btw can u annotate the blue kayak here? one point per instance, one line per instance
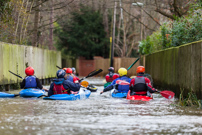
(119, 95)
(84, 94)
(7, 95)
(31, 92)
(116, 94)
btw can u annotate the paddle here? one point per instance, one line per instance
(167, 94)
(95, 72)
(58, 67)
(133, 63)
(16, 74)
(84, 84)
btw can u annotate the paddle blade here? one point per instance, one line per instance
(95, 72)
(167, 94)
(84, 84)
(121, 82)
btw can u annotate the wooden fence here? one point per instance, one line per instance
(16, 57)
(178, 68)
(99, 62)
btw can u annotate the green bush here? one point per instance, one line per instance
(187, 30)
(182, 31)
(157, 41)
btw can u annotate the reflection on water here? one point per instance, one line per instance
(100, 114)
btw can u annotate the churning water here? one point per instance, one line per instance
(98, 115)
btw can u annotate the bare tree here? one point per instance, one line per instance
(173, 8)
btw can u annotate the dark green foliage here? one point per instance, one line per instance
(83, 34)
(5, 9)
(165, 40)
(145, 46)
(187, 30)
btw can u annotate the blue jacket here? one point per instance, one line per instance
(121, 88)
(70, 78)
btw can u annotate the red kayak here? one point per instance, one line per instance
(138, 97)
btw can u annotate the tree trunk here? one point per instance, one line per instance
(51, 28)
(36, 25)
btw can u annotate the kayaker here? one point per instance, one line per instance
(62, 86)
(74, 73)
(111, 75)
(68, 75)
(120, 88)
(141, 85)
(31, 81)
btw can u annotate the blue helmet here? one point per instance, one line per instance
(60, 73)
(73, 69)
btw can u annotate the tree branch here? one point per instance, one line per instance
(165, 14)
(148, 14)
(138, 20)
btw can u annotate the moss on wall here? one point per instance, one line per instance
(177, 68)
(15, 57)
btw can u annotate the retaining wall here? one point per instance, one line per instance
(177, 68)
(16, 57)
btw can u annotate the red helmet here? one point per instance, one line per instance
(69, 71)
(140, 69)
(29, 71)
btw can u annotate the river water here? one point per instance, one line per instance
(98, 115)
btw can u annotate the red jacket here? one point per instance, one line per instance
(110, 78)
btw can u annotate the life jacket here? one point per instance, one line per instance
(111, 76)
(30, 82)
(140, 87)
(123, 88)
(59, 89)
(115, 76)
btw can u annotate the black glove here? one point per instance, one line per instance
(116, 86)
(108, 88)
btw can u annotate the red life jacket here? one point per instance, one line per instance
(59, 89)
(115, 76)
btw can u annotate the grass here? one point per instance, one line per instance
(190, 100)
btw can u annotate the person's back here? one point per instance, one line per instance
(111, 75)
(62, 86)
(31, 81)
(58, 87)
(121, 88)
(140, 85)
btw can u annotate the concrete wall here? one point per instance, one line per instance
(15, 57)
(177, 68)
